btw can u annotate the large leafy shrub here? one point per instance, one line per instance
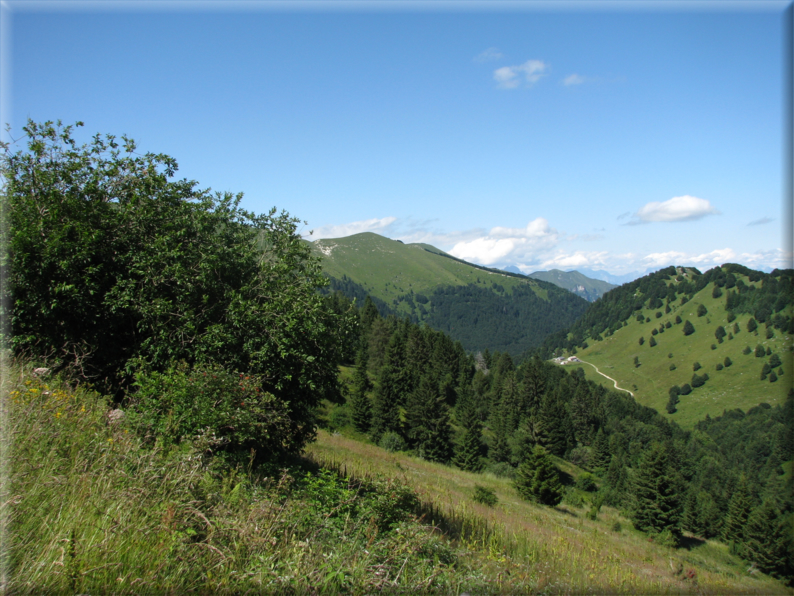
(114, 267)
(228, 410)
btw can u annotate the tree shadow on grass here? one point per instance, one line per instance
(690, 542)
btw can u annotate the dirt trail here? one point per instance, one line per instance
(610, 378)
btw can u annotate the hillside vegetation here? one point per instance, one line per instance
(480, 307)
(635, 334)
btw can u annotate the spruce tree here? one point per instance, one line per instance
(468, 456)
(657, 494)
(751, 325)
(768, 540)
(735, 523)
(601, 454)
(538, 479)
(552, 424)
(385, 411)
(361, 409)
(427, 422)
(689, 328)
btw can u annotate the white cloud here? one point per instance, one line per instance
(589, 260)
(355, 227)
(705, 260)
(508, 244)
(509, 77)
(488, 55)
(685, 208)
(573, 79)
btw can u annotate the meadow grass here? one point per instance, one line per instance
(92, 508)
(736, 386)
(520, 545)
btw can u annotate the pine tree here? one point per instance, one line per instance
(689, 328)
(360, 406)
(652, 343)
(470, 450)
(385, 411)
(427, 422)
(601, 454)
(751, 325)
(658, 500)
(702, 311)
(538, 479)
(735, 523)
(768, 540)
(552, 424)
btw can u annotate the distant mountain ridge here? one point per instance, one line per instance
(576, 282)
(481, 307)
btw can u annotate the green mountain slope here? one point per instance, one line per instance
(481, 307)
(609, 336)
(573, 281)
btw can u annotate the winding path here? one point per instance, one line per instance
(610, 378)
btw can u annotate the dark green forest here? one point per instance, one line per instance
(425, 393)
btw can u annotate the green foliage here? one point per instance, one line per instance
(657, 492)
(774, 361)
(689, 328)
(586, 482)
(719, 333)
(746, 350)
(751, 325)
(227, 409)
(115, 267)
(727, 362)
(427, 422)
(360, 406)
(702, 310)
(484, 496)
(678, 319)
(392, 442)
(652, 343)
(642, 340)
(469, 453)
(760, 352)
(538, 479)
(696, 366)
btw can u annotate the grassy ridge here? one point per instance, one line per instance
(387, 269)
(559, 550)
(736, 386)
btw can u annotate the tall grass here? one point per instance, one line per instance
(518, 545)
(91, 509)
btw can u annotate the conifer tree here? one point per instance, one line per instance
(689, 328)
(385, 411)
(702, 310)
(658, 500)
(361, 409)
(751, 325)
(735, 523)
(468, 456)
(553, 424)
(427, 422)
(601, 454)
(652, 343)
(538, 479)
(767, 539)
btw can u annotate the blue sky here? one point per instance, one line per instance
(537, 137)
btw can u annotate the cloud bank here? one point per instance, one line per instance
(685, 208)
(502, 245)
(510, 77)
(356, 227)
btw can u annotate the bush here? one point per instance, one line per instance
(686, 389)
(228, 409)
(586, 482)
(616, 527)
(114, 264)
(392, 442)
(501, 470)
(746, 350)
(659, 314)
(702, 310)
(719, 366)
(696, 367)
(484, 496)
(727, 362)
(678, 319)
(689, 328)
(759, 351)
(672, 366)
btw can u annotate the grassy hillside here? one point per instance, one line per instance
(531, 548)
(480, 307)
(388, 269)
(736, 386)
(573, 281)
